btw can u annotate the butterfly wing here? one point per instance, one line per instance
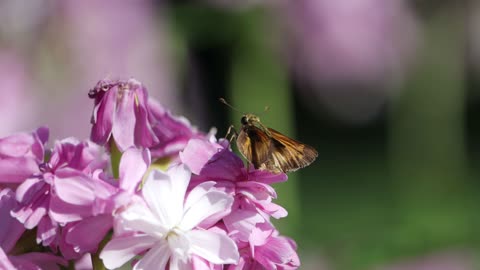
(286, 154)
(254, 144)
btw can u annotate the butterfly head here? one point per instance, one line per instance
(249, 119)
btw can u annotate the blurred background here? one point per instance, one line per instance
(385, 90)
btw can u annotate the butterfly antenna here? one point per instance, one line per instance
(265, 110)
(222, 100)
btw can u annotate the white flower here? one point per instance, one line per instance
(166, 225)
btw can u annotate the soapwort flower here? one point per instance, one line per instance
(206, 211)
(10, 232)
(165, 225)
(39, 205)
(121, 113)
(124, 113)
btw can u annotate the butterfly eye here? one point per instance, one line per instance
(244, 120)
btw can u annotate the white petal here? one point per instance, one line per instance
(156, 258)
(180, 176)
(165, 193)
(178, 263)
(209, 204)
(138, 217)
(196, 193)
(214, 247)
(179, 244)
(122, 249)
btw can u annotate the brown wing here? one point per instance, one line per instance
(287, 154)
(254, 145)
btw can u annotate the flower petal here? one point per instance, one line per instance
(15, 170)
(122, 249)
(211, 203)
(47, 231)
(28, 189)
(212, 160)
(195, 194)
(5, 263)
(197, 153)
(178, 263)
(10, 228)
(133, 165)
(124, 119)
(156, 258)
(75, 188)
(278, 251)
(214, 247)
(102, 118)
(94, 227)
(165, 193)
(138, 217)
(144, 135)
(242, 222)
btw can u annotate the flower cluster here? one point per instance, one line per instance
(148, 190)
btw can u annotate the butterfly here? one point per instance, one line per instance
(268, 149)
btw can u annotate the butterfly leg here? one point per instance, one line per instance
(231, 133)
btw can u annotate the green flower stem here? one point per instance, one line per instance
(115, 156)
(97, 263)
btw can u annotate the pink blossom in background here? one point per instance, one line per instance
(62, 48)
(17, 101)
(128, 40)
(25, 32)
(349, 40)
(348, 55)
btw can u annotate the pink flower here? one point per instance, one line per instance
(10, 232)
(248, 224)
(100, 196)
(215, 161)
(39, 204)
(121, 114)
(10, 228)
(31, 260)
(173, 132)
(124, 113)
(20, 155)
(164, 228)
(275, 253)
